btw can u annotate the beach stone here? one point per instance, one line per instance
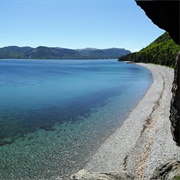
(86, 175)
(167, 171)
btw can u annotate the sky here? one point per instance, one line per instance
(76, 24)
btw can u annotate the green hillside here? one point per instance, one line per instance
(162, 51)
(42, 52)
(14, 52)
(111, 53)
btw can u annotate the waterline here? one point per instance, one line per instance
(68, 141)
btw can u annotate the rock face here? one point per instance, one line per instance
(166, 15)
(167, 171)
(175, 103)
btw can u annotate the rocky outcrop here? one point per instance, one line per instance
(86, 175)
(165, 14)
(175, 103)
(167, 171)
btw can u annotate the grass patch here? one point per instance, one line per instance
(176, 178)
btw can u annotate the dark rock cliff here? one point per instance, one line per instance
(175, 103)
(166, 15)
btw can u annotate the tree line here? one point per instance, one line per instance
(162, 51)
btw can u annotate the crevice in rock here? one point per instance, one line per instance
(125, 163)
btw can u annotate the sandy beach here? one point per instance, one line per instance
(144, 140)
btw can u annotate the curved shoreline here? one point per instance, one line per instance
(144, 140)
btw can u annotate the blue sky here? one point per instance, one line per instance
(75, 24)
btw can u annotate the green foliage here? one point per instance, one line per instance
(162, 51)
(177, 178)
(14, 52)
(43, 52)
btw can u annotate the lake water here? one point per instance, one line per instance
(54, 114)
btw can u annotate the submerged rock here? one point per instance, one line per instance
(86, 175)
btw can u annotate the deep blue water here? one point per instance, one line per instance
(54, 114)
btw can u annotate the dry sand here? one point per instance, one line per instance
(144, 141)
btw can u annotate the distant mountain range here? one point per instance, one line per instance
(43, 52)
(162, 51)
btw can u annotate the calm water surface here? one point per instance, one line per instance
(54, 114)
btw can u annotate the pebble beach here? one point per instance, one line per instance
(144, 140)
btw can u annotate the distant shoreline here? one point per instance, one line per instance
(43, 52)
(144, 140)
(59, 59)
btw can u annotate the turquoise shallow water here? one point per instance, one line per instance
(54, 114)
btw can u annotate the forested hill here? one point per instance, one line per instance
(42, 52)
(162, 51)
